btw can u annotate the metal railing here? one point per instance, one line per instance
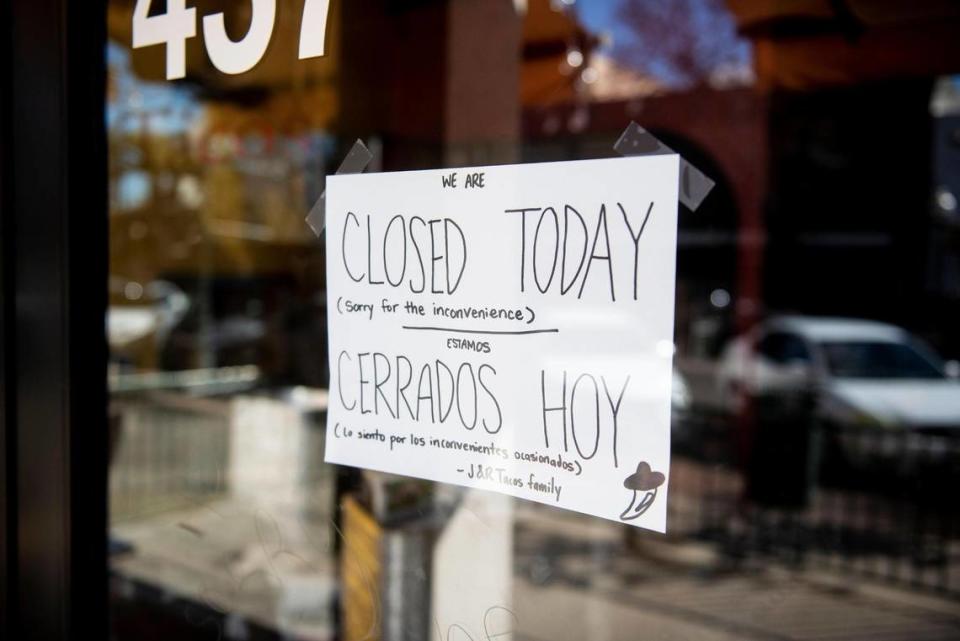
(169, 451)
(781, 485)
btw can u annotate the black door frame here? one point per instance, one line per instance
(53, 266)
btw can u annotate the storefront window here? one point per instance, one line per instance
(815, 419)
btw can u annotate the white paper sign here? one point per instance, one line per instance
(508, 328)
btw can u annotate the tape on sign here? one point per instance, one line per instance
(637, 141)
(355, 162)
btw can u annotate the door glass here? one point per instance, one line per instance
(832, 133)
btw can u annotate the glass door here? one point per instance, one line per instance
(814, 396)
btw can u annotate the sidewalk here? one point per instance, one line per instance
(595, 589)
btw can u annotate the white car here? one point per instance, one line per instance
(863, 373)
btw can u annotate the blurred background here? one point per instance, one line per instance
(816, 401)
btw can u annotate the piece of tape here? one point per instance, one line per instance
(354, 163)
(637, 141)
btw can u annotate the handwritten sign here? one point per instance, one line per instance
(508, 328)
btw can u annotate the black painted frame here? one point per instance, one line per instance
(53, 274)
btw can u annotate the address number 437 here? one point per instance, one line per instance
(179, 23)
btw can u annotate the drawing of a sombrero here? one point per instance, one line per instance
(643, 480)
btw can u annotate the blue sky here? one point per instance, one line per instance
(719, 41)
(172, 107)
(598, 15)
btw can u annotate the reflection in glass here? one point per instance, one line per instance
(815, 445)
